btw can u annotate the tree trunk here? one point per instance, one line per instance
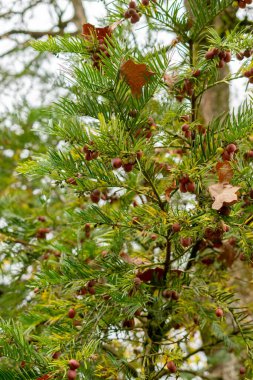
(79, 14)
(215, 102)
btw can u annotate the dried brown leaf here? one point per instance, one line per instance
(223, 194)
(90, 30)
(136, 75)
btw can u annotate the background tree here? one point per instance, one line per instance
(129, 285)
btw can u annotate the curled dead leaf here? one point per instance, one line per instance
(223, 194)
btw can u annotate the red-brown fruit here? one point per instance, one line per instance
(71, 181)
(145, 2)
(132, 4)
(219, 312)
(56, 355)
(176, 227)
(241, 4)
(174, 295)
(227, 57)
(73, 364)
(82, 291)
(210, 54)
(92, 291)
(240, 56)
(167, 293)
(71, 313)
(221, 64)
(137, 313)
(186, 241)
(135, 18)
(41, 218)
(95, 196)
(128, 167)
(139, 154)
(128, 323)
(171, 366)
(132, 12)
(250, 154)
(127, 14)
(116, 163)
(196, 73)
(247, 53)
(231, 148)
(135, 220)
(133, 113)
(71, 374)
(91, 283)
(87, 227)
(185, 127)
(42, 232)
(242, 370)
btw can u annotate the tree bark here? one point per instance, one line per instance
(79, 14)
(215, 102)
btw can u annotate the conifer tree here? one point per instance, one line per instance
(150, 208)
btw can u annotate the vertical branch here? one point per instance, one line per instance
(168, 256)
(79, 13)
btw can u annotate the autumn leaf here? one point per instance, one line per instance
(224, 171)
(136, 75)
(90, 30)
(223, 194)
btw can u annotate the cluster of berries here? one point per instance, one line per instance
(170, 294)
(186, 90)
(186, 242)
(223, 55)
(42, 232)
(90, 154)
(186, 129)
(73, 366)
(101, 48)
(188, 86)
(244, 54)
(249, 74)
(186, 185)
(128, 165)
(242, 3)
(147, 130)
(89, 288)
(229, 151)
(132, 13)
